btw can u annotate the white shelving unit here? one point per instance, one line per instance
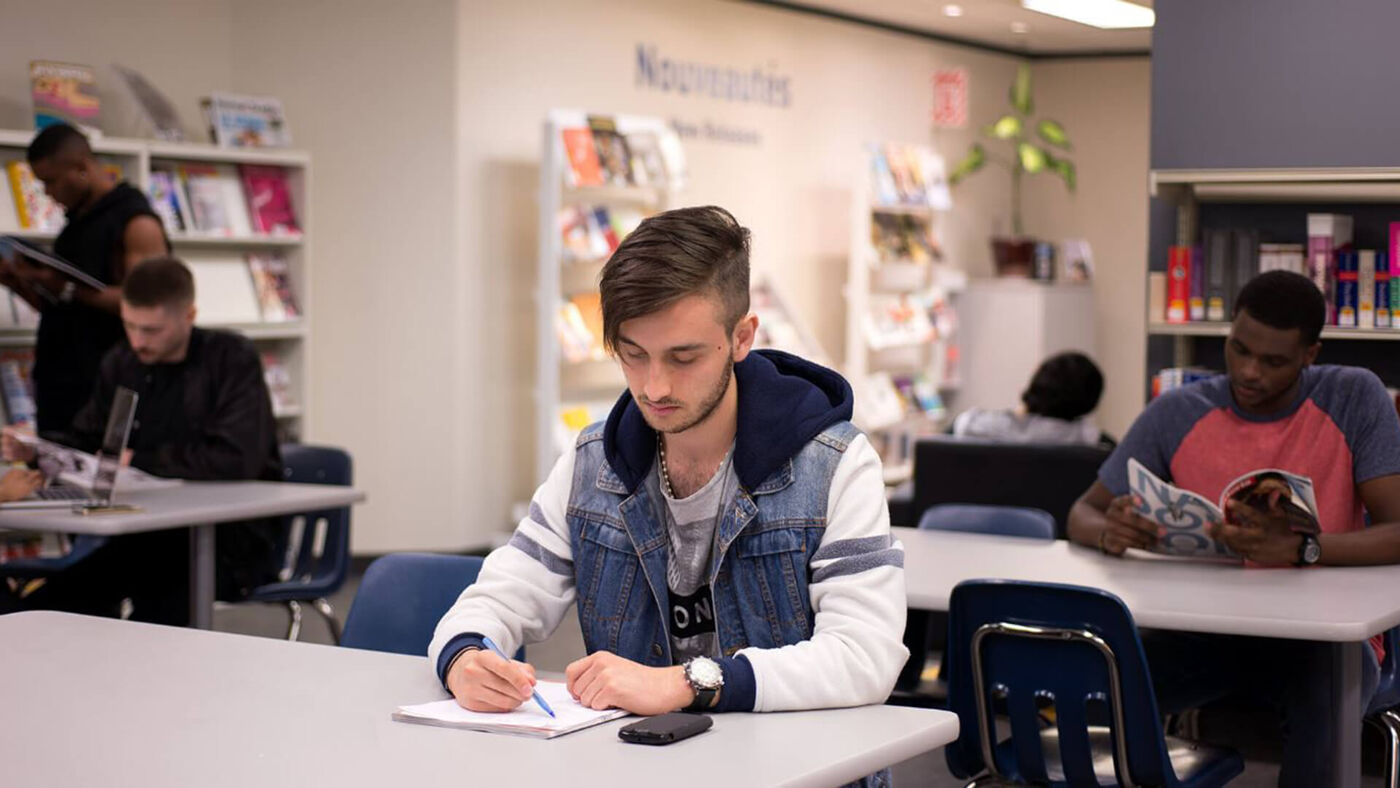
(593, 384)
(289, 340)
(908, 283)
(1186, 190)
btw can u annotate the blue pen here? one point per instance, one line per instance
(538, 698)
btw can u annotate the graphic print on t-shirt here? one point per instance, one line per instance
(692, 614)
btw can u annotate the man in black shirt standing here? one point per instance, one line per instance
(110, 228)
(203, 413)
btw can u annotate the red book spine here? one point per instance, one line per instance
(1178, 283)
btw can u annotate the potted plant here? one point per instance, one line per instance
(1027, 155)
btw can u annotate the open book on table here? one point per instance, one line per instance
(528, 719)
(1188, 518)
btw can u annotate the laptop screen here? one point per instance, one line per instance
(109, 457)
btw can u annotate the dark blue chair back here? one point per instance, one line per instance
(1388, 687)
(401, 598)
(322, 542)
(988, 519)
(1022, 672)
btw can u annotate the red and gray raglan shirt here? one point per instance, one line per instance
(1340, 431)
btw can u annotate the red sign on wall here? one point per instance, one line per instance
(950, 98)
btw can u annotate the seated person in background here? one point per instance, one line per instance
(204, 414)
(1055, 407)
(1273, 409)
(724, 534)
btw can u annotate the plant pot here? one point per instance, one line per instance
(1013, 256)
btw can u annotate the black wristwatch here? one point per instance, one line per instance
(1309, 550)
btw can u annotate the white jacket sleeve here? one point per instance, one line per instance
(857, 589)
(527, 585)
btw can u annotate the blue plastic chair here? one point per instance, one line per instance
(317, 543)
(403, 596)
(1384, 711)
(81, 547)
(987, 519)
(1024, 648)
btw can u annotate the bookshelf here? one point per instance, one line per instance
(581, 382)
(223, 254)
(900, 321)
(1274, 203)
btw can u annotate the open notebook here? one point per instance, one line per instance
(527, 720)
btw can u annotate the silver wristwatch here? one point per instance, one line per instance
(65, 296)
(705, 677)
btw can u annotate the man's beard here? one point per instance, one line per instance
(708, 404)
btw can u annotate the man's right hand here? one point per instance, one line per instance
(481, 680)
(12, 449)
(1124, 527)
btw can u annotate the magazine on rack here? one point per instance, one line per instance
(1188, 518)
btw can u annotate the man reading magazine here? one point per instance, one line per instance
(1273, 409)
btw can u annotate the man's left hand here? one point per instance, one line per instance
(1263, 537)
(603, 680)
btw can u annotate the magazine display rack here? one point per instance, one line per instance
(900, 322)
(250, 281)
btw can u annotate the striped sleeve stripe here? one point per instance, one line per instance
(552, 562)
(845, 548)
(860, 563)
(537, 514)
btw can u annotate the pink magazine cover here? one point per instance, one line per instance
(269, 200)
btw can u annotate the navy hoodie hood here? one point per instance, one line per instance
(784, 402)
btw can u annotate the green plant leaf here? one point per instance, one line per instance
(1008, 127)
(1053, 133)
(1065, 169)
(971, 163)
(1021, 90)
(1033, 159)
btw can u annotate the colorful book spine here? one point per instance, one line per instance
(1395, 274)
(1383, 313)
(1196, 304)
(1178, 283)
(1217, 264)
(1346, 283)
(1327, 232)
(1366, 288)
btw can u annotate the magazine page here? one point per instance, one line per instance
(1274, 490)
(1186, 516)
(78, 468)
(10, 243)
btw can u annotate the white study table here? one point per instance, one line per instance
(199, 506)
(1340, 605)
(91, 701)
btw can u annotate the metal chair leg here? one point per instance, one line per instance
(294, 628)
(323, 606)
(1390, 722)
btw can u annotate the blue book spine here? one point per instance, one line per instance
(1347, 280)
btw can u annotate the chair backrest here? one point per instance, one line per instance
(987, 519)
(1039, 644)
(401, 598)
(1388, 686)
(317, 543)
(949, 469)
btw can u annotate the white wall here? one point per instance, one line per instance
(423, 121)
(1104, 105)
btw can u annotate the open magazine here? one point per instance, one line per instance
(10, 245)
(79, 469)
(1188, 518)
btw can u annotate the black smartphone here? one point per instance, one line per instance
(665, 728)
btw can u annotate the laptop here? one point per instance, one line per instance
(53, 460)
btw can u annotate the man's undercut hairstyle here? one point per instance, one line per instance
(59, 138)
(159, 281)
(1284, 300)
(1065, 386)
(671, 255)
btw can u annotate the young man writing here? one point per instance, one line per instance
(204, 413)
(724, 533)
(1273, 409)
(110, 228)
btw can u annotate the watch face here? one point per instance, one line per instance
(1312, 552)
(705, 673)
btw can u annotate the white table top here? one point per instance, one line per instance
(1337, 604)
(91, 701)
(190, 503)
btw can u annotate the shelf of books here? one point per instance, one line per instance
(901, 325)
(600, 175)
(236, 216)
(1338, 226)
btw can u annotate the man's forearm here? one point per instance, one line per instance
(1085, 524)
(1378, 544)
(108, 299)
